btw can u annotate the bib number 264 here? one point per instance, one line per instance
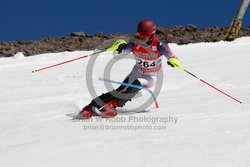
(145, 63)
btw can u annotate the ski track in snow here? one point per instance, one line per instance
(211, 130)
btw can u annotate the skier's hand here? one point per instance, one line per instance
(175, 63)
(118, 46)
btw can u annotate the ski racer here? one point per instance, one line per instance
(148, 52)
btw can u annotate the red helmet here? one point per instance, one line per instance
(146, 28)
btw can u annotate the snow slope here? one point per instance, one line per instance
(195, 125)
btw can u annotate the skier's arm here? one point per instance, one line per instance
(172, 60)
(165, 50)
(121, 46)
(128, 48)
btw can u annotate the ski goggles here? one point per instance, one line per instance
(144, 34)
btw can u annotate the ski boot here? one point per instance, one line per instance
(87, 112)
(108, 110)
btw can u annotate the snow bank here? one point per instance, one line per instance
(209, 128)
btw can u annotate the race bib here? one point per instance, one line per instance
(148, 65)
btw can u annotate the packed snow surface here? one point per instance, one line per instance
(195, 126)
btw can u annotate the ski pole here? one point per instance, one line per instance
(114, 47)
(68, 61)
(212, 86)
(134, 86)
(176, 64)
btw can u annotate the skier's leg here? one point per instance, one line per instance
(122, 94)
(107, 102)
(118, 97)
(128, 93)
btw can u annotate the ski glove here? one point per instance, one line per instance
(175, 63)
(118, 46)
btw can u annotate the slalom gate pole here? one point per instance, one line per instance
(134, 86)
(213, 86)
(68, 61)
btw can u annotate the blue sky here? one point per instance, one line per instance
(37, 19)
